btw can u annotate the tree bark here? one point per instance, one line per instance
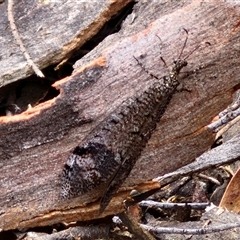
(35, 144)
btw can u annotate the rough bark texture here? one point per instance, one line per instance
(35, 144)
(51, 31)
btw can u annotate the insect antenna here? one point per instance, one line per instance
(184, 45)
(192, 52)
(185, 42)
(164, 62)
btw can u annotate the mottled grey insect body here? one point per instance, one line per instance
(87, 167)
(109, 153)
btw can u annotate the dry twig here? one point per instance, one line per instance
(20, 42)
(150, 203)
(197, 231)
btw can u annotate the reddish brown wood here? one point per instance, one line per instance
(35, 144)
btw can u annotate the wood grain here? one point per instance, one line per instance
(35, 144)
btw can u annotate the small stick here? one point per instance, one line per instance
(231, 108)
(19, 41)
(225, 128)
(224, 120)
(213, 180)
(197, 231)
(150, 203)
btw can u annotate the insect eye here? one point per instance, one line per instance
(67, 167)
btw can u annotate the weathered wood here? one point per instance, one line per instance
(35, 145)
(215, 223)
(77, 232)
(50, 30)
(219, 156)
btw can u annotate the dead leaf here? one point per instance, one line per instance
(231, 197)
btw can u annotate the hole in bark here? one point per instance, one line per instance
(20, 95)
(8, 235)
(23, 94)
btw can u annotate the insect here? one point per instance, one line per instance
(107, 155)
